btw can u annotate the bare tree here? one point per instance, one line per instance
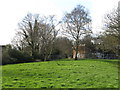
(76, 23)
(38, 34)
(112, 23)
(48, 34)
(29, 30)
(111, 35)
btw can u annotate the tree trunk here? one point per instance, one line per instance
(76, 49)
(33, 52)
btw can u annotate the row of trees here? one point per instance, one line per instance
(62, 48)
(37, 36)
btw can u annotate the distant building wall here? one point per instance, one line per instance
(81, 52)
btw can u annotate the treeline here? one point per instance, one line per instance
(37, 37)
(62, 48)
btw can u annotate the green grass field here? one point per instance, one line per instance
(61, 74)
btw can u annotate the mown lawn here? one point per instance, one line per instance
(61, 74)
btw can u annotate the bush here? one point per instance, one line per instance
(20, 56)
(6, 59)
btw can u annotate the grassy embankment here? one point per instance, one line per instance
(61, 74)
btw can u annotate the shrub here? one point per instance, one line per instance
(6, 59)
(20, 56)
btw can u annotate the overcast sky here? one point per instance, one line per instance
(13, 11)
